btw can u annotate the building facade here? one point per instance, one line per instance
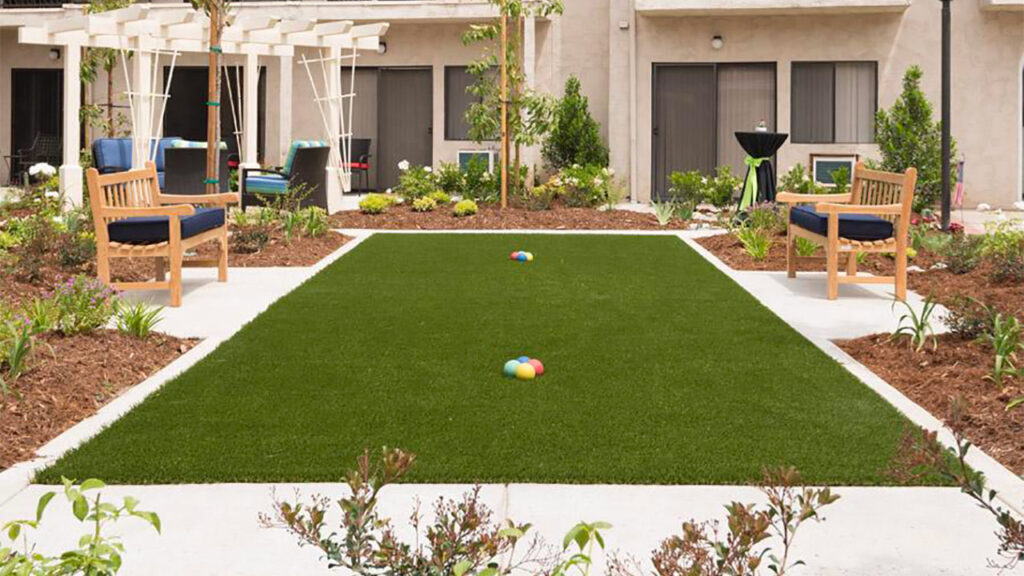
(670, 81)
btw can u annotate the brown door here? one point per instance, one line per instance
(405, 121)
(685, 127)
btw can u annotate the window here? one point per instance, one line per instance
(834, 102)
(457, 101)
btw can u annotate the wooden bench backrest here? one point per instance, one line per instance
(131, 189)
(875, 188)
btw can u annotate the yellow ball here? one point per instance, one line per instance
(529, 256)
(525, 372)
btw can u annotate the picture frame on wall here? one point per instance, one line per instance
(823, 165)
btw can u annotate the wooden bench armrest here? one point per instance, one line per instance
(793, 198)
(882, 209)
(218, 199)
(147, 211)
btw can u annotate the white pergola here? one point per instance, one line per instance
(150, 33)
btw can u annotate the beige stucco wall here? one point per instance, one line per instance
(987, 48)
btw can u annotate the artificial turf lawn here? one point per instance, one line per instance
(660, 369)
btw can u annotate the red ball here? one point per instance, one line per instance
(515, 255)
(537, 366)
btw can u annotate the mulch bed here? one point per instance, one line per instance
(70, 377)
(491, 217)
(957, 368)
(300, 252)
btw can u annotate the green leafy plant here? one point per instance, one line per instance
(962, 253)
(16, 346)
(767, 217)
(1005, 337)
(82, 305)
(756, 241)
(138, 319)
(917, 327)
(465, 208)
(968, 319)
(805, 248)
(798, 181)
(664, 212)
(907, 137)
(1003, 245)
(540, 197)
(97, 554)
(416, 182)
(721, 189)
(684, 211)
(424, 204)
(574, 137)
(450, 180)
(290, 221)
(479, 184)
(745, 549)
(586, 186)
(921, 456)
(374, 204)
(314, 221)
(841, 179)
(687, 186)
(41, 314)
(442, 197)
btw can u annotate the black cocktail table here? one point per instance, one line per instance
(759, 185)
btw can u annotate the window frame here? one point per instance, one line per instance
(792, 104)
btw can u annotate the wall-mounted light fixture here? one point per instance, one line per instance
(717, 42)
(54, 53)
(382, 48)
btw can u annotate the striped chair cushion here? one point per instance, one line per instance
(266, 184)
(193, 144)
(295, 146)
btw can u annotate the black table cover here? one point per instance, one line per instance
(761, 145)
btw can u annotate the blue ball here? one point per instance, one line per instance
(521, 257)
(510, 368)
(523, 359)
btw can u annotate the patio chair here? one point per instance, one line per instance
(45, 148)
(360, 164)
(185, 168)
(874, 217)
(306, 165)
(115, 155)
(133, 219)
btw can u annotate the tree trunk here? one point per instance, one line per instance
(212, 109)
(504, 107)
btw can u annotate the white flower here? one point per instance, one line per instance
(388, 191)
(52, 194)
(42, 169)
(403, 165)
(704, 180)
(428, 169)
(598, 181)
(609, 171)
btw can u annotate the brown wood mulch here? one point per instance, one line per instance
(70, 378)
(956, 369)
(491, 217)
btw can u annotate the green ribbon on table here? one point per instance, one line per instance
(750, 188)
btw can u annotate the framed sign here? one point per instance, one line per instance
(823, 165)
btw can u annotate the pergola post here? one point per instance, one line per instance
(70, 170)
(142, 103)
(250, 100)
(284, 103)
(335, 186)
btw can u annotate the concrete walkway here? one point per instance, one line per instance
(213, 529)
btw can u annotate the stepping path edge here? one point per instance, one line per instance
(1009, 486)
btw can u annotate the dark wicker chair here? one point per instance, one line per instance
(45, 148)
(308, 167)
(185, 171)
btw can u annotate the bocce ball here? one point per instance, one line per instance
(523, 359)
(521, 257)
(529, 256)
(537, 366)
(525, 371)
(510, 368)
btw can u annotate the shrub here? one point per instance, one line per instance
(82, 305)
(424, 204)
(16, 346)
(767, 217)
(76, 249)
(374, 204)
(1006, 338)
(841, 179)
(251, 233)
(450, 179)
(798, 181)
(1004, 247)
(441, 197)
(478, 183)
(586, 186)
(289, 222)
(314, 221)
(756, 241)
(687, 187)
(962, 253)
(416, 182)
(968, 319)
(684, 211)
(907, 137)
(41, 314)
(465, 208)
(574, 137)
(540, 197)
(721, 189)
(138, 319)
(806, 248)
(97, 554)
(664, 212)
(917, 327)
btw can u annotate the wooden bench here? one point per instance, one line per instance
(133, 219)
(874, 217)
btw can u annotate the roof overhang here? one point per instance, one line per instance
(769, 7)
(1008, 5)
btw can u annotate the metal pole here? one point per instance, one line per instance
(946, 82)
(504, 108)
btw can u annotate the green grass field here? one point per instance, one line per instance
(659, 370)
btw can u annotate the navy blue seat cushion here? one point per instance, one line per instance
(155, 229)
(851, 226)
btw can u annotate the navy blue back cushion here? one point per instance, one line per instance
(155, 229)
(112, 154)
(851, 226)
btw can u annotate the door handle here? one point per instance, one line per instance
(656, 132)
(430, 130)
